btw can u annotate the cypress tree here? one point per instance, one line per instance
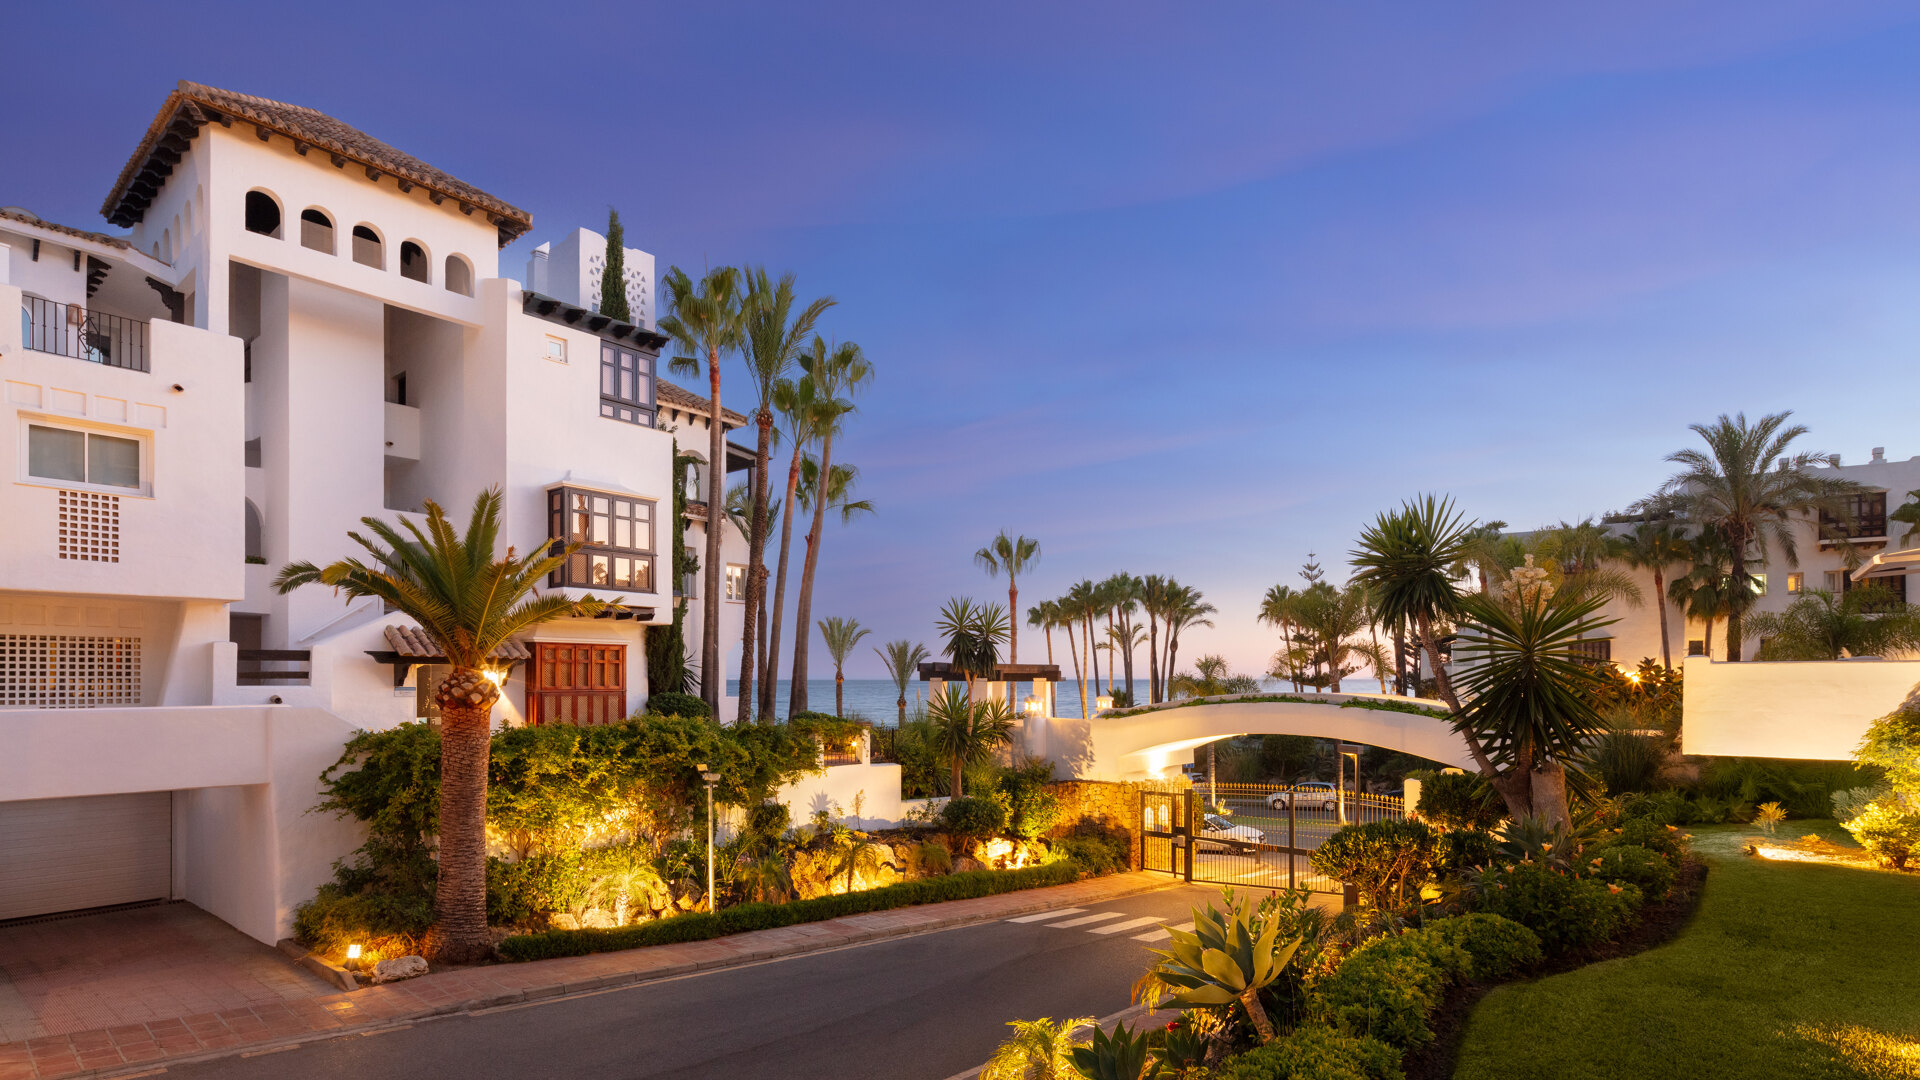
(613, 279)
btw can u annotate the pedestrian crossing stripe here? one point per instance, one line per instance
(1163, 933)
(1085, 919)
(1123, 927)
(1045, 915)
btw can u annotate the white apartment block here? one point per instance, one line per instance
(575, 267)
(302, 327)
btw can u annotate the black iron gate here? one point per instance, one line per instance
(1254, 835)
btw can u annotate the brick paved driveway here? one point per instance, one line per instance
(136, 967)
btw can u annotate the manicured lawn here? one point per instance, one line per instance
(1787, 970)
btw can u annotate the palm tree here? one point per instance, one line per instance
(1211, 678)
(1012, 556)
(1066, 617)
(974, 633)
(1707, 591)
(774, 335)
(966, 732)
(799, 405)
(470, 604)
(1749, 489)
(1328, 618)
(1039, 1050)
(1155, 590)
(1040, 617)
(1864, 621)
(1280, 607)
(1530, 692)
(1654, 546)
(706, 320)
(834, 370)
(1121, 593)
(841, 635)
(903, 662)
(1582, 554)
(1184, 609)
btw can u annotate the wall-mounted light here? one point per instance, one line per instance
(1032, 705)
(495, 676)
(1103, 702)
(178, 389)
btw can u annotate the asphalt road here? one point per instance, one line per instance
(918, 1008)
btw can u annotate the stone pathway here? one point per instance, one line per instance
(116, 1048)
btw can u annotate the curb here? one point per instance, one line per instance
(733, 958)
(338, 976)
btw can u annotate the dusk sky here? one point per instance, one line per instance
(1180, 289)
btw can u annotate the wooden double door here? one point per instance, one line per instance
(577, 683)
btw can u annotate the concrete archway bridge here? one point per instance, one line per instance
(1153, 742)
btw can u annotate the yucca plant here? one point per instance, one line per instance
(1122, 1055)
(1769, 816)
(1227, 959)
(470, 604)
(966, 733)
(1038, 1050)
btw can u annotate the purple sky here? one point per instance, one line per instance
(1192, 290)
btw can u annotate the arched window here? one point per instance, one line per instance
(263, 214)
(256, 547)
(316, 230)
(368, 249)
(166, 245)
(459, 276)
(413, 261)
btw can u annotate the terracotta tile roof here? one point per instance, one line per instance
(413, 641)
(28, 217)
(677, 397)
(192, 105)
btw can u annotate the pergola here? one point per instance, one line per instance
(999, 683)
(1889, 564)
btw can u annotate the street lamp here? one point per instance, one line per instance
(1033, 705)
(711, 778)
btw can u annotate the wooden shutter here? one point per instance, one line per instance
(577, 683)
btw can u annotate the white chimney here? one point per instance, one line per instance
(1879, 455)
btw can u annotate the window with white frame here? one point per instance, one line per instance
(736, 582)
(556, 349)
(69, 455)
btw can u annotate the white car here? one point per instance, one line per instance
(1225, 834)
(1314, 794)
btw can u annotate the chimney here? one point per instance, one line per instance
(1879, 455)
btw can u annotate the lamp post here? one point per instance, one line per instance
(710, 778)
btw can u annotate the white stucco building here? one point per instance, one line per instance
(302, 327)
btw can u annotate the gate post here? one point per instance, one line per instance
(1191, 797)
(1292, 844)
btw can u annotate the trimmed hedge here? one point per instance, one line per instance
(701, 926)
(1497, 946)
(1567, 912)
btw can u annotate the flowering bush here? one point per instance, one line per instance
(1566, 911)
(1629, 864)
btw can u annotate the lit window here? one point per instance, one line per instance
(557, 350)
(82, 457)
(1760, 584)
(736, 582)
(1796, 583)
(616, 538)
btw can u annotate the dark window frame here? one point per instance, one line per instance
(627, 385)
(1867, 518)
(600, 562)
(1593, 650)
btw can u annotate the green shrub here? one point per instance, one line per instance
(1650, 834)
(1031, 808)
(1384, 995)
(1463, 849)
(1387, 860)
(1568, 912)
(1626, 761)
(1630, 864)
(1099, 850)
(1888, 829)
(974, 817)
(675, 703)
(383, 892)
(1315, 1052)
(1497, 946)
(701, 926)
(1458, 801)
(769, 819)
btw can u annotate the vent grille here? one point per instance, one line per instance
(89, 526)
(63, 671)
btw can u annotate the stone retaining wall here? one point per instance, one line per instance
(1113, 804)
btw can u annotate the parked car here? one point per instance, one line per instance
(1225, 835)
(1312, 795)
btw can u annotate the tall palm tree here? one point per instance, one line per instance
(1082, 602)
(967, 731)
(1041, 617)
(841, 635)
(1154, 590)
(775, 334)
(974, 633)
(706, 320)
(1122, 595)
(1280, 607)
(903, 659)
(470, 604)
(1185, 609)
(1707, 591)
(1065, 616)
(800, 407)
(1329, 618)
(1748, 487)
(1654, 546)
(1012, 556)
(834, 370)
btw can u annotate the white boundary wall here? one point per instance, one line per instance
(1815, 710)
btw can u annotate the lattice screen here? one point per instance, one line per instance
(89, 526)
(68, 671)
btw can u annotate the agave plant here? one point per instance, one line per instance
(1227, 959)
(1120, 1056)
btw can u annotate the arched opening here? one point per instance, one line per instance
(256, 547)
(263, 214)
(459, 276)
(166, 245)
(413, 261)
(316, 230)
(368, 249)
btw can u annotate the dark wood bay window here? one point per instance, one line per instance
(577, 683)
(626, 385)
(1866, 517)
(1593, 650)
(615, 535)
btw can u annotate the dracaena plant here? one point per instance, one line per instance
(1226, 960)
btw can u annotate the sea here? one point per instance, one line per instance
(875, 700)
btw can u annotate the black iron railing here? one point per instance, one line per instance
(93, 336)
(261, 667)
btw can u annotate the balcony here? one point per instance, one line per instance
(93, 336)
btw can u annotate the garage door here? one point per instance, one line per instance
(67, 854)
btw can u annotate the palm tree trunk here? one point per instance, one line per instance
(1013, 618)
(1054, 686)
(1153, 659)
(954, 791)
(459, 932)
(1660, 605)
(772, 677)
(1286, 642)
(1173, 656)
(1073, 650)
(756, 564)
(1093, 658)
(902, 703)
(839, 693)
(1515, 786)
(802, 608)
(1739, 566)
(1110, 672)
(713, 681)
